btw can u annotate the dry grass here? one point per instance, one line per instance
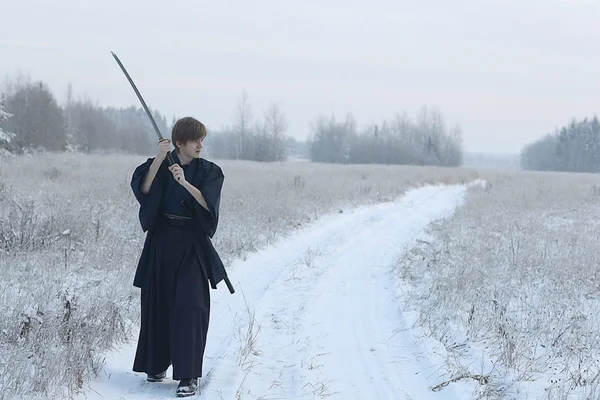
(513, 279)
(70, 240)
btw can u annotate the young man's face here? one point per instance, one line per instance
(192, 149)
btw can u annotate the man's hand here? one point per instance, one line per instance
(178, 174)
(164, 146)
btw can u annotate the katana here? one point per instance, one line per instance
(160, 136)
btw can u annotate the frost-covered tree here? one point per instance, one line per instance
(242, 128)
(269, 138)
(572, 148)
(262, 141)
(36, 118)
(92, 128)
(5, 137)
(331, 140)
(426, 141)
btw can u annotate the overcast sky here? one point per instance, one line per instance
(506, 71)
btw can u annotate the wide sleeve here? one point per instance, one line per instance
(149, 203)
(210, 187)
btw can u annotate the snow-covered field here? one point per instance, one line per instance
(69, 241)
(348, 286)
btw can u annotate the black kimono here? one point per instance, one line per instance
(177, 264)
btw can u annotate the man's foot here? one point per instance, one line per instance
(157, 377)
(187, 387)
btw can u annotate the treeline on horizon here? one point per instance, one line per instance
(572, 148)
(32, 119)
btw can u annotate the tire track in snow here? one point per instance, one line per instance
(367, 358)
(330, 329)
(329, 319)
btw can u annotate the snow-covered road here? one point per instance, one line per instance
(326, 316)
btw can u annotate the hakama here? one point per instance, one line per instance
(177, 268)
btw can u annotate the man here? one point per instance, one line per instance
(179, 210)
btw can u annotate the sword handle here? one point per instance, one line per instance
(169, 157)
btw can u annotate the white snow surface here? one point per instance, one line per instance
(328, 318)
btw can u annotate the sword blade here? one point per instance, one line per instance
(137, 92)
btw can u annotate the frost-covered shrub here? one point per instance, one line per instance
(511, 285)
